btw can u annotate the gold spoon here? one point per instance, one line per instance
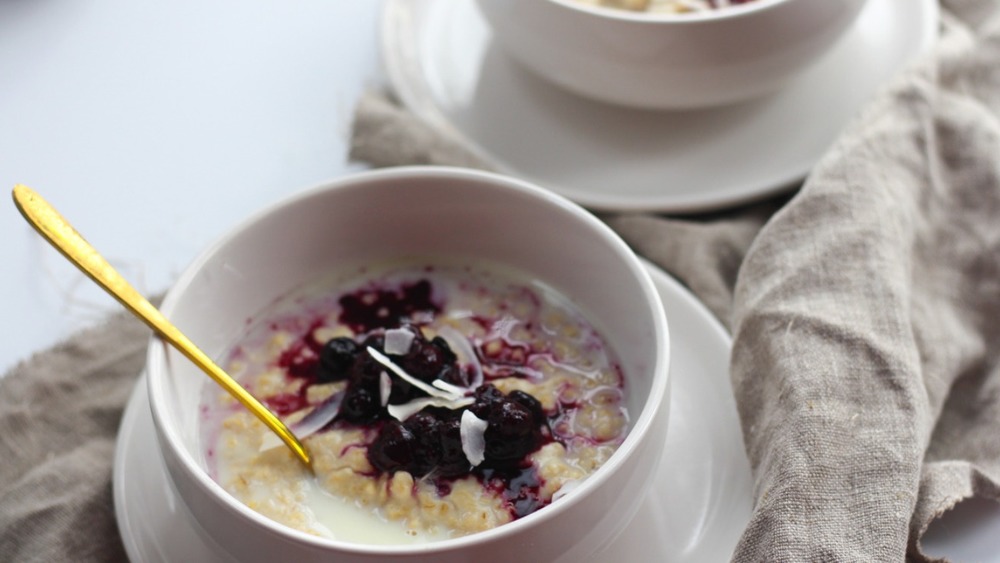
(55, 229)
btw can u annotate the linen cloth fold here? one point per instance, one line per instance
(865, 310)
(867, 320)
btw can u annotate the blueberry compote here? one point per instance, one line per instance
(428, 442)
(449, 399)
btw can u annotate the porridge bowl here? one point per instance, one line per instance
(477, 367)
(654, 58)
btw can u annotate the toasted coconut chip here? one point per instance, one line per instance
(566, 489)
(398, 341)
(310, 424)
(384, 387)
(445, 386)
(270, 441)
(432, 391)
(406, 410)
(473, 434)
(466, 354)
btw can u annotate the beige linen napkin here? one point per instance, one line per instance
(865, 313)
(867, 319)
(59, 415)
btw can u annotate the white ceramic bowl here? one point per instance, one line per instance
(401, 213)
(668, 61)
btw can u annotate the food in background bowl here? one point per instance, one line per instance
(662, 60)
(398, 216)
(665, 6)
(517, 399)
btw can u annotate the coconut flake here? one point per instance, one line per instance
(406, 410)
(319, 416)
(270, 441)
(700, 5)
(473, 435)
(566, 489)
(384, 387)
(398, 341)
(311, 423)
(432, 391)
(445, 386)
(466, 354)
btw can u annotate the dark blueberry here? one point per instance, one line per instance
(512, 433)
(424, 360)
(442, 414)
(361, 404)
(453, 461)
(393, 448)
(529, 402)
(442, 345)
(424, 425)
(366, 370)
(451, 373)
(427, 452)
(488, 398)
(403, 392)
(336, 359)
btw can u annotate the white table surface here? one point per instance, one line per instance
(155, 127)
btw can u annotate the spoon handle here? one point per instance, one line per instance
(58, 232)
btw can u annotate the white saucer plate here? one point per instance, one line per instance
(698, 507)
(444, 66)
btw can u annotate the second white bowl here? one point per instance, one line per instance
(666, 61)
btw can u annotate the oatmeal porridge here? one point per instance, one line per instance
(436, 401)
(665, 6)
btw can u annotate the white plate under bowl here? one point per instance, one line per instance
(696, 510)
(445, 67)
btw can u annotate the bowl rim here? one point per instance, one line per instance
(719, 14)
(658, 399)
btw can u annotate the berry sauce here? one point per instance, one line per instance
(367, 310)
(507, 374)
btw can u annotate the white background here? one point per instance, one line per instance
(156, 126)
